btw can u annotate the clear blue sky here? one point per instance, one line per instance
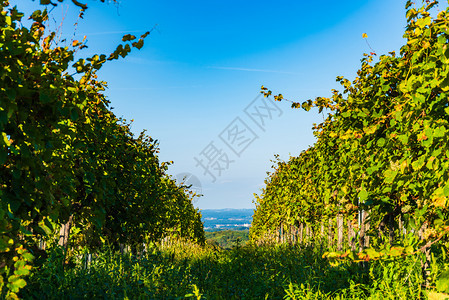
(205, 63)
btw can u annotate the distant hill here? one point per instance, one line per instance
(228, 239)
(227, 219)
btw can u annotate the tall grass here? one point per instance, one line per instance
(182, 270)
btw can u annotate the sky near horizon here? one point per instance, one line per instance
(195, 85)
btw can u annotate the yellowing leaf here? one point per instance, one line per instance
(403, 166)
(396, 251)
(6, 139)
(423, 22)
(436, 296)
(438, 198)
(371, 129)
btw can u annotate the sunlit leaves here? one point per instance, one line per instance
(384, 144)
(64, 154)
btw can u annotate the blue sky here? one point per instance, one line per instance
(204, 64)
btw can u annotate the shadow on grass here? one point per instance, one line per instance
(249, 272)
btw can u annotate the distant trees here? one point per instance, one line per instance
(228, 239)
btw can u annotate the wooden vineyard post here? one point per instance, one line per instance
(282, 233)
(340, 227)
(367, 226)
(307, 235)
(364, 227)
(391, 229)
(309, 231)
(64, 234)
(351, 235)
(294, 234)
(87, 261)
(330, 232)
(322, 232)
(289, 236)
(310, 237)
(301, 233)
(278, 235)
(421, 232)
(42, 244)
(361, 231)
(425, 265)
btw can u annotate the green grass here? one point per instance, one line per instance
(249, 272)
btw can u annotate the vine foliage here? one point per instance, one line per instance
(383, 147)
(66, 161)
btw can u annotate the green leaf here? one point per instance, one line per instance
(363, 195)
(372, 253)
(48, 224)
(442, 283)
(390, 175)
(11, 93)
(3, 156)
(6, 139)
(446, 190)
(403, 139)
(90, 177)
(439, 132)
(45, 228)
(419, 163)
(28, 256)
(22, 272)
(74, 115)
(381, 142)
(16, 283)
(396, 251)
(423, 22)
(44, 98)
(445, 83)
